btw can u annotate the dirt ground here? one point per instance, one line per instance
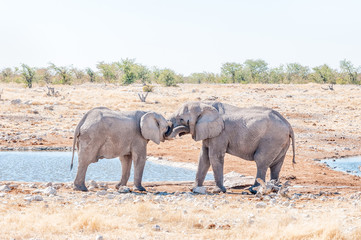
(321, 204)
(326, 122)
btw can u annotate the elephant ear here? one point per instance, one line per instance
(149, 127)
(209, 123)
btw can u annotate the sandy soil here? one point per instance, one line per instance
(326, 125)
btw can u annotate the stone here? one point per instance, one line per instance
(261, 205)
(49, 191)
(123, 189)
(49, 107)
(200, 190)
(234, 179)
(101, 193)
(15, 101)
(111, 196)
(5, 188)
(93, 184)
(2, 194)
(37, 198)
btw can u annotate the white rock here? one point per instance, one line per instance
(234, 179)
(111, 196)
(101, 193)
(49, 191)
(261, 205)
(2, 194)
(123, 189)
(200, 190)
(37, 198)
(5, 188)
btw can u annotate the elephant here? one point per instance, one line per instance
(256, 134)
(103, 133)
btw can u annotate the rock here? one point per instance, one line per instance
(99, 237)
(49, 191)
(93, 184)
(111, 196)
(37, 198)
(15, 101)
(234, 179)
(2, 194)
(156, 228)
(101, 193)
(200, 190)
(30, 198)
(49, 107)
(5, 188)
(261, 205)
(123, 189)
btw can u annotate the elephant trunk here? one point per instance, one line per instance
(181, 130)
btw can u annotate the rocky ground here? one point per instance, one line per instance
(321, 204)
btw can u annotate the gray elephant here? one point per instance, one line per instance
(256, 134)
(103, 133)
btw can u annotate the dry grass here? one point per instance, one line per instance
(180, 220)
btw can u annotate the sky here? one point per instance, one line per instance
(187, 36)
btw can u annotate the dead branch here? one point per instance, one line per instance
(143, 97)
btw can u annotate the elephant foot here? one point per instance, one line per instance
(140, 188)
(219, 189)
(80, 187)
(252, 189)
(120, 185)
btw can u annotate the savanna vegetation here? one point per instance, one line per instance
(128, 71)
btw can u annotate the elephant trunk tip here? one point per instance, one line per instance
(180, 130)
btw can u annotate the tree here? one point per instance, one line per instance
(257, 69)
(28, 74)
(7, 74)
(232, 70)
(351, 72)
(108, 71)
(276, 75)
(324, 74)
(296, 72)
(63, 72)
(127, 67)
(167, 77)
(142, 73)
(91, 74)
(79, 74)
(44, 75)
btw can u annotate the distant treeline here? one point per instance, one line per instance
(127, 71)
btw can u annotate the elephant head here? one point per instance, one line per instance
(201, 120)
(154, 127)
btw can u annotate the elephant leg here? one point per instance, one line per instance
(79, 182)
(139, 163)
(126, 162)
(276, 168)
(203, 167)
(217, 162)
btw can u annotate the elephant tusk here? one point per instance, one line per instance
(178, 130)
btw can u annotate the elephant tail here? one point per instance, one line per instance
(292, 136)
(76, 135)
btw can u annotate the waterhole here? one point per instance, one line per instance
(55, 167)
(351, 165)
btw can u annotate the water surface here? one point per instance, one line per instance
(55, 167)
(350, 165)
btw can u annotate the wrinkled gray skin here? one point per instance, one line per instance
(256, 134)
(103, 133)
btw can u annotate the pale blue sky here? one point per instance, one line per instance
(186, 36)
